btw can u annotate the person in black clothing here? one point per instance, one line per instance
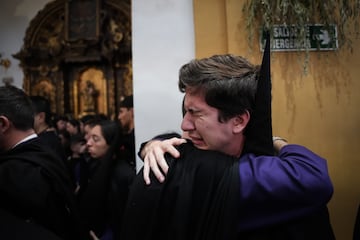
(73, 126)
(10, 226)
(34, 186)
(103, 199)
(126, 118)
(76, 159)
(42, 125)
(65, 138)
(59, 122)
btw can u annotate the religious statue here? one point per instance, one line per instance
(89, 95)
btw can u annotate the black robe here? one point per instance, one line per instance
(36, 187)
(127, 148)
(52, 140)
(102, 200)
(14, 228)
(197, 201)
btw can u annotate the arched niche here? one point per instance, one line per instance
(70, 38)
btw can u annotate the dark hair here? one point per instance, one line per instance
(75, 123)
(127, 102)
(41, 104)
(17, 107)
(95, 120)
(86, 118)
(110, 130)
(92, 122)
(61, 117)
(228, 83)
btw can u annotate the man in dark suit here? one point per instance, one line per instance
(43, 128)
(34, 187)
(126, 119)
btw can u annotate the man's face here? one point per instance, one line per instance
(71, 129)
(61, 125)
(201, 125)
(126, 117)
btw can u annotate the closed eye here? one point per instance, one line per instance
(193, 112)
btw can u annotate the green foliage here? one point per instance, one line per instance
(266, 13)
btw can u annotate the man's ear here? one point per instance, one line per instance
(241, 121)
(4, 123)
(42, 115)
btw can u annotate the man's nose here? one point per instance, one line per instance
(187, 124)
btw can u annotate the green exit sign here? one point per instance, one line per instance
(318, 38)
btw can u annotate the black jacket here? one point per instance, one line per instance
(36, 187)
(102, 200)
(15, 228)
(197, 200)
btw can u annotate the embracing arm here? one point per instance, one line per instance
(153, 152)
(272, 188)
(278, 188)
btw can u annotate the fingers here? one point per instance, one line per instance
(146, 171)
(154, 159)
(176, 141)
(158, 161)
(150, 163)
(168, 146)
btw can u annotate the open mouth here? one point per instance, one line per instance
(197, 140)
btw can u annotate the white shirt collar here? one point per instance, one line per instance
(26, 139)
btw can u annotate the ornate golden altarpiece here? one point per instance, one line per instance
(77, 53)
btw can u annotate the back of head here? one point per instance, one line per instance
(228, 83)
(41, 104)
(17, 107)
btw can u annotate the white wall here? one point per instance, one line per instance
(163, 40)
